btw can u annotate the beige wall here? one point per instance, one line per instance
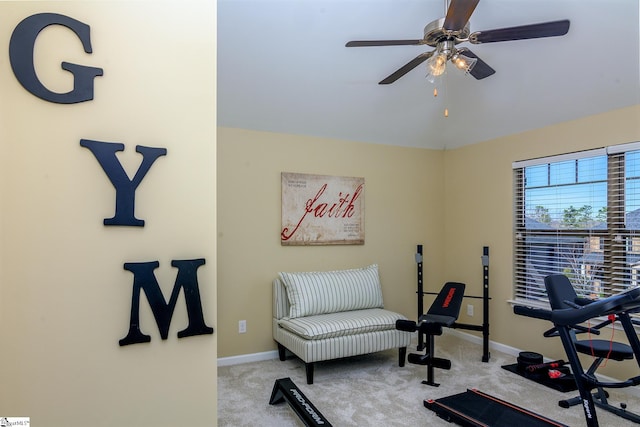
(65, 298)
(403, 208)
(478, 207)
(454, 202)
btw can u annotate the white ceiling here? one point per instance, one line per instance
(283, 67)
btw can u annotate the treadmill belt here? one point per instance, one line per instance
(477, 409)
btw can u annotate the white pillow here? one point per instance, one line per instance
(321, 292)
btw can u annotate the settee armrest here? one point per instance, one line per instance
(280, 300)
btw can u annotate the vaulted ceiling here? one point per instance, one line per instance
(283, 67)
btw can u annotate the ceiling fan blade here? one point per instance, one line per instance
(481, 69)
(406, 68)
(533, 31)
(364, 43)
(459, 13)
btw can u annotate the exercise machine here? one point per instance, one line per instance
(443, 313)
(477, 409)
(484, 327)
(567, 313)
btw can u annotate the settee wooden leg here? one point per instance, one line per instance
(402, 355)
(282, 352)
(309, 369)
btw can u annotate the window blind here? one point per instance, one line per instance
(578, 214)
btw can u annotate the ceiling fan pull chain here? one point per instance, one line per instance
(446, 95)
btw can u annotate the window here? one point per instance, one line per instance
(578, 214)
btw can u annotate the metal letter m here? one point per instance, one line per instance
(144, 279)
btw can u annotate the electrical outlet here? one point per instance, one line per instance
(469, 310)
(242, 326)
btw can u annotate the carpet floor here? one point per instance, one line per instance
(372, 390)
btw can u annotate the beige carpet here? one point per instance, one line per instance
(372, 390)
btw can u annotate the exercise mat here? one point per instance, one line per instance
(563, 384)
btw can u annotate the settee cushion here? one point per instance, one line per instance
(341, 324)
(322, 292)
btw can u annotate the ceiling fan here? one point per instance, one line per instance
(446, 33)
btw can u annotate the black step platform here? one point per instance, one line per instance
(474, 408)
(285, 390)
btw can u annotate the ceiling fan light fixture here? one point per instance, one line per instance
(437, 64)
(464, 63)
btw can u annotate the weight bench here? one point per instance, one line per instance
(443, 313)
(567, 312)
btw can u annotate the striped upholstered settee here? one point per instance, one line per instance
(332, 314)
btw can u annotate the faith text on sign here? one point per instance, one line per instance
(322, 210)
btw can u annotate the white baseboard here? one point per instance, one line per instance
(512, 351)
(268, 355)
(247, 358)
(515, 352)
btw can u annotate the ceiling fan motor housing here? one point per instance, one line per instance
(435, 33)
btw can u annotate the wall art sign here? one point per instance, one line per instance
(322, 210)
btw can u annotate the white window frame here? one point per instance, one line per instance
(616, 272)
